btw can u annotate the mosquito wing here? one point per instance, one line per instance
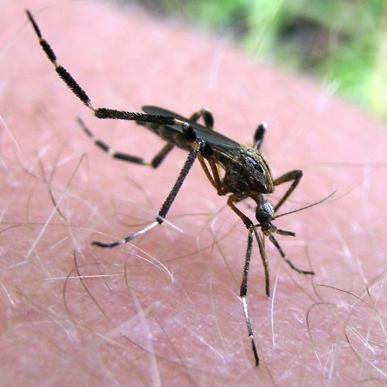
(212, 138)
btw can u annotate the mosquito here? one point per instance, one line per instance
(236, 170)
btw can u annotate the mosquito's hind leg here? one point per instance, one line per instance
(155, 162)
(73, 85)
(207, 116)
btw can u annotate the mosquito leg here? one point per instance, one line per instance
(160, 157)
(73, 85)
(293, 176)
(265, 262)
(179, 182)
(197, 146)
(207, 171)
(215, 173)
(261, 244)
(259, 135)
(106, 148)
(288, 261)
(231, 203)
(243, 294)
(207, 116)
(156, 161)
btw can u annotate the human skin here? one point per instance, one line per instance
(165, 309)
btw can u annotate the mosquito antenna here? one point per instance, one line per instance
(308, 206)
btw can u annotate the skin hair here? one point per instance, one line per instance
(165, 310)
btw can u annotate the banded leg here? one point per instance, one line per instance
(156, 161)
(293, 176)
(196, 149)
(207, 116)
(243, 294)
(259, 135)
(262, 251)
(261, 244)
(73, 85)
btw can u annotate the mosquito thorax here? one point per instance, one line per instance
(256, 165)
(247, 173)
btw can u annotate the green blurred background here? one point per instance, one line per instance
(341, 42)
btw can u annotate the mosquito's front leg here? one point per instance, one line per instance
(250, 226)
(293, 176)
(243, 294)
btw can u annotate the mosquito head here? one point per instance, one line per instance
(264, 213)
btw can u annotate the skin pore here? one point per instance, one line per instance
(165, 310)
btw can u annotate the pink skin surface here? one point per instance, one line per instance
(165, 310)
